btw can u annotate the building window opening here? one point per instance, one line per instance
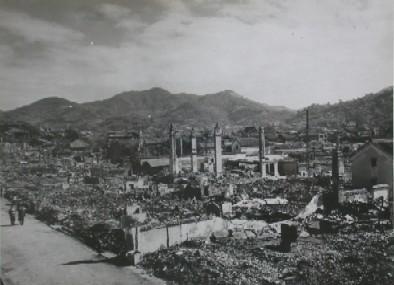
(374, 181)
(374, 161)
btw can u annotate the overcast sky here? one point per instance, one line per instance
(280, 52)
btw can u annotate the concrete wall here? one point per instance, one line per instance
(152, 240)
(288, 167)
(363, 172)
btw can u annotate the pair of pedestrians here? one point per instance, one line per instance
(21, 214)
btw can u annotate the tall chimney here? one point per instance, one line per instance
(263, 171)
(139, 152)
(173, 168)
(140, 141)
(194, 151)
(335, 171)
(218, 150)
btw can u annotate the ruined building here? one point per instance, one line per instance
(373, 164)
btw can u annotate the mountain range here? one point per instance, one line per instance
(157, 107)
(367, 112)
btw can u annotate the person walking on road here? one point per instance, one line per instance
(12, 213)
(21, 214)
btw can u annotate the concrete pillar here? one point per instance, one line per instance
(194, 152)
(276, 171)
(392, 203)
(140, 141)
(181, 146)
(218, 150)
(263, 168)
(177, 165)
(263, 172)
(173, 162)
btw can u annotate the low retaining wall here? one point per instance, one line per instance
(152, 240)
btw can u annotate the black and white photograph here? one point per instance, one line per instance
(187, 142)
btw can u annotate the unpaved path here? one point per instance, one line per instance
(35, 254)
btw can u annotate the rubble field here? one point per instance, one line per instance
(357, 258)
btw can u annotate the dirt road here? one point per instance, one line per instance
(35, 254)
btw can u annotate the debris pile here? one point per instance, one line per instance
(335, 259)
(298, 193)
